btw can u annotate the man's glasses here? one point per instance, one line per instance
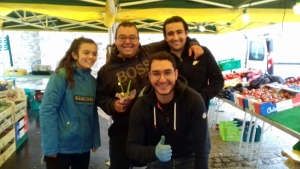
(167, 74)
(131, 38)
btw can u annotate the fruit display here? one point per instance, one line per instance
(268, 94)
(293, 83)
(232, 79)
(231, 82)
(234, 75)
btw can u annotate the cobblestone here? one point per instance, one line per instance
(238, 160)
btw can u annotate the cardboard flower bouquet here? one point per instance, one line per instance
(125, 95)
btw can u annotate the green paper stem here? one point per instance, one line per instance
(128, 87)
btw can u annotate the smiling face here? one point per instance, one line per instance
(163, 77)
(127, 41)
(86, 55)
(175, 36)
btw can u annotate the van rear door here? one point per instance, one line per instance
(256, 55)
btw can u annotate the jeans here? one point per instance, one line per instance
(178, 163)
(117, 148)
(65, 161)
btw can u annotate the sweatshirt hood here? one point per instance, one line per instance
(148, 94)
(115, 52)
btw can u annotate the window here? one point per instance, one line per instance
(256, 51)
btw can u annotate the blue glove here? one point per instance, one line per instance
(163, 152)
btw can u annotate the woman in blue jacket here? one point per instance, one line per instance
(68, 116)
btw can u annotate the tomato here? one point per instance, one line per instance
(286, 95)
(275, 101)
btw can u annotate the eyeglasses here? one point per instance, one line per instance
(167, 74)
(131, 38)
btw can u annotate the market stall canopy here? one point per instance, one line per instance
(217, 16)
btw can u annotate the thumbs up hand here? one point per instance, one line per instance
(163, 152)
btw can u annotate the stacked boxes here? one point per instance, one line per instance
(237, 99)
(7, 134)
(13, 122)
(20, 122)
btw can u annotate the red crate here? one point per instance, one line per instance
(38, 95)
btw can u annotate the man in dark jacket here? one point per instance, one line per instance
(129, 62)
(173, 117)
(202, 74)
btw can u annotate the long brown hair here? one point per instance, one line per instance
(67, 61)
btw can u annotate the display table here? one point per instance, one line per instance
(25, 76)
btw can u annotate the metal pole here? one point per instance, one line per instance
(243, 129)
(248, 136)
(261, 139)
(253, 137)
(2, 49)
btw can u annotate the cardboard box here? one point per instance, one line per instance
(269, 108)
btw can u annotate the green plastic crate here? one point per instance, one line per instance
(29, 93)
(229, 64)
(229, 131)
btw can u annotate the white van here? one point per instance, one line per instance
(256, 53)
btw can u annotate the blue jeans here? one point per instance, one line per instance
(178, 163)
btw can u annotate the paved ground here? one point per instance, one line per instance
(223, 155)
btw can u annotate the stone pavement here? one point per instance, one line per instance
(238, 161)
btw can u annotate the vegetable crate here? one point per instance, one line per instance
(229, 131)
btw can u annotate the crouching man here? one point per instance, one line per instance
(173, 117)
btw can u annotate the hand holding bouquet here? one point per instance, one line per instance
(125, 95)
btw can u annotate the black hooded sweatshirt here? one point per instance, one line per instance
(199, 75)
(134, 69)
(184, 127)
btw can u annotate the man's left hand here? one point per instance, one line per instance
(197, 50)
